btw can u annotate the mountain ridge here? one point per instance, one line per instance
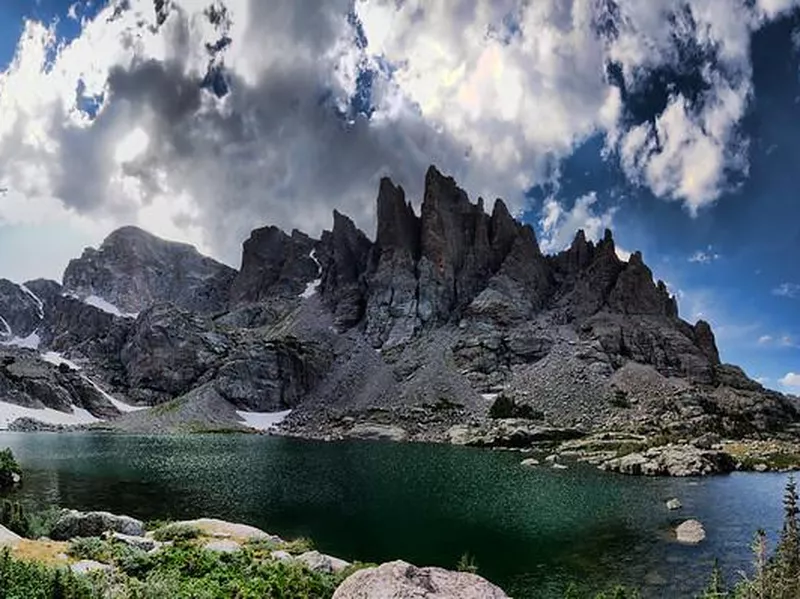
(424, 328)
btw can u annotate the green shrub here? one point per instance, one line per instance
(466, 563)
(8, 468)
(176, 532)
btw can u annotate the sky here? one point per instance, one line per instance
(672, 122)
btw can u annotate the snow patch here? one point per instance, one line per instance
(10, 412)
(121, 406)
(311, 288)
(8, 332)
(32, 341)
(106, 306)
(57, 359)
(489, 396)
(35, 298)
(263, 421)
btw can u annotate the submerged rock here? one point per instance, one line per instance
(368, 430)
(690, 532)
(530, 462)
(402, 580)
(674, 504)
(72, 523)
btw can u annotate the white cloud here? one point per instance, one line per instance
(791, 380)
(495, 92)
(765, 339)
(791, 290)
(704, 256)
(559, 226)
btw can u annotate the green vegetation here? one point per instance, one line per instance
(9, 469)
(29, 524)
(176, 532)
(466, 563)
(183, 570)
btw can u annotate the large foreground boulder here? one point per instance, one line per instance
(72, 523)
(7, 537)
(401, 580)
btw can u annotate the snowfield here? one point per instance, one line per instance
(10, 412)
(106, 306)
(262, 421)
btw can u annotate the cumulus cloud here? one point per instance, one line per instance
(790, 290)
(559, 225)
(201, 123)
(791, 380)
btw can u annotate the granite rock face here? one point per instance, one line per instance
(133, 269)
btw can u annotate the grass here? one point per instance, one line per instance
(176, 532)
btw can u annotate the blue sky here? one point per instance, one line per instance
(722, 227)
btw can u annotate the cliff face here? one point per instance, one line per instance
(425, 326)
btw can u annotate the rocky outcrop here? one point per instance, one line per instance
(133, 270)
(344, 261)
(673, 460)
(401, 579)
(275, 264)
(72, 523)
(21, 311)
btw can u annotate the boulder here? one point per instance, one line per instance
(7, 537)
(674, 504)
(88, 565)
(690, 532)
(530, 462)
(72, 523)
(221, 529)
(401, 580)
(319, 562)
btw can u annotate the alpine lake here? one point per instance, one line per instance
(533, 531)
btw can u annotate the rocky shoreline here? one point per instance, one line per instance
(92, 543)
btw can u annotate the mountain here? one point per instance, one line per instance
(450, 319)
(133, 269)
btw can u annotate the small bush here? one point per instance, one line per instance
(466, 563)
(506, 407)
(8, 468)
(176, 532)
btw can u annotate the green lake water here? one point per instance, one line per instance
(529, 530)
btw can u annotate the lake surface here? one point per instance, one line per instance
(529, 530)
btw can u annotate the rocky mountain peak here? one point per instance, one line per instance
(133, 269)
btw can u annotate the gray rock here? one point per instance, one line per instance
(281, 556)
(87, 565)
(7, 537)
(530, 462)
(401, 579)
(690, 532)
(319, 562)
(71, 524)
